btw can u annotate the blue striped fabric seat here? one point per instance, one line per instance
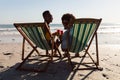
(36, 35)
(82, 32)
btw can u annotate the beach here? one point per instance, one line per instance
(11, 51)
(10, 58)
(15, 12)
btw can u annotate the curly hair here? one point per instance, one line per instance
(46, 13)
(68, 17)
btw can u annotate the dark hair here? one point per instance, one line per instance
(46, 13)
(68, 17)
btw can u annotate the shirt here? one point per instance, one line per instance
(64, 39)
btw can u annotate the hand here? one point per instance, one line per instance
(59, 32)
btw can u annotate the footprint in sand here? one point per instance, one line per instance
(108, 69)
(1, 66)
(7, 53)
(105, 75)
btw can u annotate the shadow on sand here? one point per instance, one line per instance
(58, 70)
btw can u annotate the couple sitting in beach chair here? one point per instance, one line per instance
(78, 36)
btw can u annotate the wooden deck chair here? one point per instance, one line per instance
(84, 31)
(33, 33)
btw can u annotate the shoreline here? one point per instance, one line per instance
(104, 39)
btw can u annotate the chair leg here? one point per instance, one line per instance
(47, 53)
(92, 60)
(23, 47)
(57, 43)
(97, 49)
(25, 59)
(59, 52)
(81, 63)
(97, 56)
(89, 68)
(69, 60)
(33, 70)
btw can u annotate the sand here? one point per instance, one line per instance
(10, 58)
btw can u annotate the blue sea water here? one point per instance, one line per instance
(9, 29)
(108, 33)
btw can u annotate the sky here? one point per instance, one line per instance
(12, 11)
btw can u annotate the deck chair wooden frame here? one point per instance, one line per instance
(22, 27)
(84, 23)
(35, 49)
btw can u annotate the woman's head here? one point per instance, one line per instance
(67, 20)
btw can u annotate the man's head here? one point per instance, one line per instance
(67, 20)
(47, 16)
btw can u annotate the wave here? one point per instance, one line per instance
(104, 28)
(8, 29)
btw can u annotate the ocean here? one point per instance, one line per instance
(108, 33)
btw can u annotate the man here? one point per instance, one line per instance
(48, 19)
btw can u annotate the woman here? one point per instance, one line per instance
(67, 21)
